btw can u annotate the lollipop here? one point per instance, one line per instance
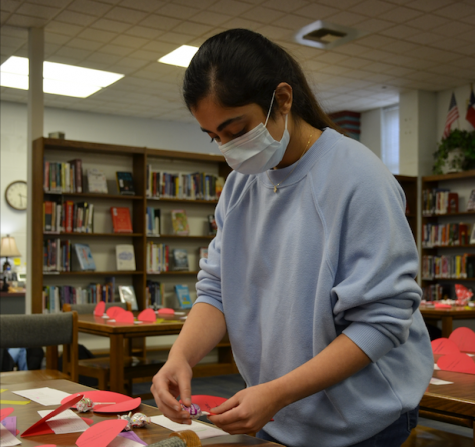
(128, 418)
(193, 409)
(84, 405)
(139, 420)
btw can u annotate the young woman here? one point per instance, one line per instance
(312, 269)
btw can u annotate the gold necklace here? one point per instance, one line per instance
(282, 181)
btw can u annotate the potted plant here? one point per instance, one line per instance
(455, 153)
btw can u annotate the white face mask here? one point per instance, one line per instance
(256, 151)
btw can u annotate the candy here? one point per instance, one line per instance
(139, 420)
(193, 409)
(128, 418)
(84, 405)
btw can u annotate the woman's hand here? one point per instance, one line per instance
(171, 381)
(248, 410)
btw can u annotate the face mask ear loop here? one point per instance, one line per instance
(270, 108)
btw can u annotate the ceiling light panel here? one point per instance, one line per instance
(181, 56)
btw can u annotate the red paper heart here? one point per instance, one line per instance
(166, 311)
(442, 306)
(4, 412)
(125, 317)
(464, 338)
(101, 434)
(108, 398)
(113, 311)
(461, 363)
(99, 310)
(444, 346)
(88, 421)
(206, 402)
(128, 405)
(147, 315)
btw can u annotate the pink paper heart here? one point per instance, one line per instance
(147, 315)
(444, 346)
(461, 363)
(464, 338)
(125, 317)
(128, 405)
(166, 311)
(113, 311)
(4, 412)
(101, 434)
(442, 306)
(99, 310)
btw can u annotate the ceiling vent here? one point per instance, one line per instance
(326, 35)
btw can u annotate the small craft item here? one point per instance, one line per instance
(193, 409)
(128, 418)
(85, 405)
(110, 402)
(463, 294)
(139, 420)
(183, 438)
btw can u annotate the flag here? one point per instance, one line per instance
(470, 116)
(451, 116)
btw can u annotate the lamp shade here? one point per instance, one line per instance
(8, 247)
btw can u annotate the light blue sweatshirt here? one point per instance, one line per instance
(330, 253)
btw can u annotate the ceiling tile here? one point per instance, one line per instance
(63, 28)
(76, 18)
(400, 31)
(13, 42)
(331, 58)
(291, 21)
(111, 25)
(378, 67)
(424, 38)
(372, 8)
(14, 31)
(346, 18)
(144, 32)
(192, 29)
(10, 5)
(116, 50)
(126, 15)
(211, 18)
(145, 55)
(427, 22)
(232, 7)
(161, 48)
(285, 5)
(400, 14)
(354, 62)
(129, 41)
(375, 55)
(454, 29)
(75, 53)
(263, 15)
(159, 22)
(469, 19)
(58, 39)
(373, 25)
(84, 44)
(375, 41)
(94, 8)
(451, 44)
(39, 11)
(177, 11)
(25, 21)
(175, 38)
(97, 35)
(143, 5)
(428, 5)
(202, 4)
(351, 49)
(456, 10)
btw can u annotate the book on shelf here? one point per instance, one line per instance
(180, 259)
(472, 236)
(157, 258)
(447, 266)
(203, 253)
(180, 223)
(183, 296)
(444, 235)
(59, 177)
(96, 181)
(153, 221)
(439, 201)
(56, 255)
(76, 175)
(471, 201)
(125, 257)
(121, 221)
(212, 226)
(82, 258)
(125, 183)
(127, 295)
(155, 294)
(68, 217)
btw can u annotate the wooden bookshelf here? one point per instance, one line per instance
(119, 158)
(409, 185)
(462, 183)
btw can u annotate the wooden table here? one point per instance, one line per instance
(118, 333)
(454, 403)
(27, 415)
(447, 316)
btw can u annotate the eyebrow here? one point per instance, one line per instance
(224, 124)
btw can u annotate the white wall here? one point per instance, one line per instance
(370, 126)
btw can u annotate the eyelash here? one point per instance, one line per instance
(242, 132)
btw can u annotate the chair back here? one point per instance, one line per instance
(89, 308)
(40, 330)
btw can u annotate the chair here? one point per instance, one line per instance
(44, 330)
(426, 437)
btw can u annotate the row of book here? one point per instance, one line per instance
(154, 294)
(452, 266)
(440, 235)
(62, 177)
(439, 201)
(56, 255)
(68, 217)
(436, 292)
(198, 185)
(153, 221)
(160, 258)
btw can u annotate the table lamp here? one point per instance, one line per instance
(8, 248)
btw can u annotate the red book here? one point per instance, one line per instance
(121, 219)
(69, 216)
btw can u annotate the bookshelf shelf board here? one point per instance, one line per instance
(178, 273)
(168, 199)
(448, 279)
(176, 236)
(438, 247)
(83, 146)
(462, 214)
(446, 177)
(76, 234)
(94, 273)
(92, 195)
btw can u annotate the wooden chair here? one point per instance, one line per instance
(431, 437)
(44, 330)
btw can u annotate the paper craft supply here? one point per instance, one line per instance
(147, 315)
(206, 402)
(132, 436)
(65, 422)
(193, 409)
(101, 399)
(85, 405)
(14, 402)
(100, 308)
(120, 441)
(40, 427)
(461, 363)
(442, 306)
(166, 311)
(6, 438)
(10, 424)
(125, 317)
(101, 434)
(4, 412)
(436, 367)
(44, 396)
(2, 390)
(464, 338)
(114, 310)
(435, 381)
(444, 346)
(202, 430)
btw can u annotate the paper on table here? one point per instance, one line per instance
(6, 438)
(132, 436)
(65, 422)
(44, 396)
(14, 402)
(436, 367)
(435, 381)
(10, 424)
(122, 441)
(202, 430)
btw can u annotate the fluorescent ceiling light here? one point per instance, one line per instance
(181, 56)
(58, 79)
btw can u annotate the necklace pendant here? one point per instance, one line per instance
(275, 188)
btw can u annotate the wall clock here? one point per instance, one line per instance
(16, 195)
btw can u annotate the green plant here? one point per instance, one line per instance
(457, 139)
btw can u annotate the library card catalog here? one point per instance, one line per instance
(6, 438)
(65, 422)
(44, 396)
(203, 431)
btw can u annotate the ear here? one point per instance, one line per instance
(283, 97)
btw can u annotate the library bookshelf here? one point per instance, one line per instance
(462, 183)
(409, 185)
(110, 159)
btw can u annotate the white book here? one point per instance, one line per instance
(125, 257)
(96, 181)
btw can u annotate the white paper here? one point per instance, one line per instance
(202, 430)
(44, 396)
(64, 422)
(6, 438)
(435, 381)
(436, 367)
(120, 441)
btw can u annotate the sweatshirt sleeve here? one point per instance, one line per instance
(375, 263)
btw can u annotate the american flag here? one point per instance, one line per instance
(451, 116)
(470, 117)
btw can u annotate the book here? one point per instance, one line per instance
(203, 253)
(180, 259)
(83, 258)
(183, 296)
(121, 221)
(180, 223)
(472, 237)
(127, 295)
(153, 221)
(96, 181)
(471, 201)
(125, 183)
(76, 175)
(212, 227)
(125, 257)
